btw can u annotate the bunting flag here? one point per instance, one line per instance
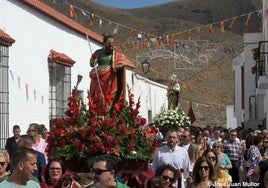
(34, 95)
(148, 44)
(222, 26)
(265, 14)
(130, 31)
(100, 23)
(174, 35)
(248, 18)
(19, 82)
(191, 113)
(115, 30)
(160, 41)
(85, 14)
(11, 74)
(91, 19)
(27, 91)
(139, 36)
(232, 24)
(167, 40)
(72, 12)
(199, 32)
(152, 39)
(172, 39)
(189, 34)
(211, 28)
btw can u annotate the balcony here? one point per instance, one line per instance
(260, 54)
(263, 82)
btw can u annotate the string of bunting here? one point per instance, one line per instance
(151, 39)
(27, 87)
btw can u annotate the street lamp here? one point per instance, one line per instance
(145, 65)
(79, 79)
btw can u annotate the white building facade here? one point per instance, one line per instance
(251, 79)
(49, 52)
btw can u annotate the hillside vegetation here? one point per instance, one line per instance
(208, 84)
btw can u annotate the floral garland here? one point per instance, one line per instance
(93, 129)
(171, 118)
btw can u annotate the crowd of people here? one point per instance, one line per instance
(186, 157)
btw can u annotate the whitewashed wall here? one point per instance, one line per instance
(265, 37)
(251, 40)
(238, 111)
(153, 95)
(35, 36)
(231, 121)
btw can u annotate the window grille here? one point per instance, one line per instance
(4, 95)
(59, 89)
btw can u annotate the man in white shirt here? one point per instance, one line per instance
(217, 137)
(173, 154)
(186, 139)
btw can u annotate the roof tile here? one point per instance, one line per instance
(5, 39)
(61, 58)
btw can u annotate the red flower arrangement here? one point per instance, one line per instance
(89, 130)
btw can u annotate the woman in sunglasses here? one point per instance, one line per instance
(203, 173)
(224, 161)
(165, 176)
(4, 161)
(222, 178)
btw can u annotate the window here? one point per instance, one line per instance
(59, 83)
(59, 89)
(5, 42)
(4, 98)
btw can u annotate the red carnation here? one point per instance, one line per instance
(94, 56)
(62, 141)
(143, 121)
(131, 147)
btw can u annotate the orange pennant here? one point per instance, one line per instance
(72, 12)
(211, 28)
(189, 35)
(232, 24)
(199, 32)
(222, 26)
(91, 19)
(248, 18)
(171, 42)
(131, 30)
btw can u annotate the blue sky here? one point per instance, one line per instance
(126, 4)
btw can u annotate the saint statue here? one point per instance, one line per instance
(173, 95)
(107, 74)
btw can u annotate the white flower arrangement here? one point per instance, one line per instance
(172, 118)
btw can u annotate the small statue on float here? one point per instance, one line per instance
(173, 93)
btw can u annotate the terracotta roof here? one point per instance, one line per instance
(55, 15)
(61, 58)
(5, 39)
